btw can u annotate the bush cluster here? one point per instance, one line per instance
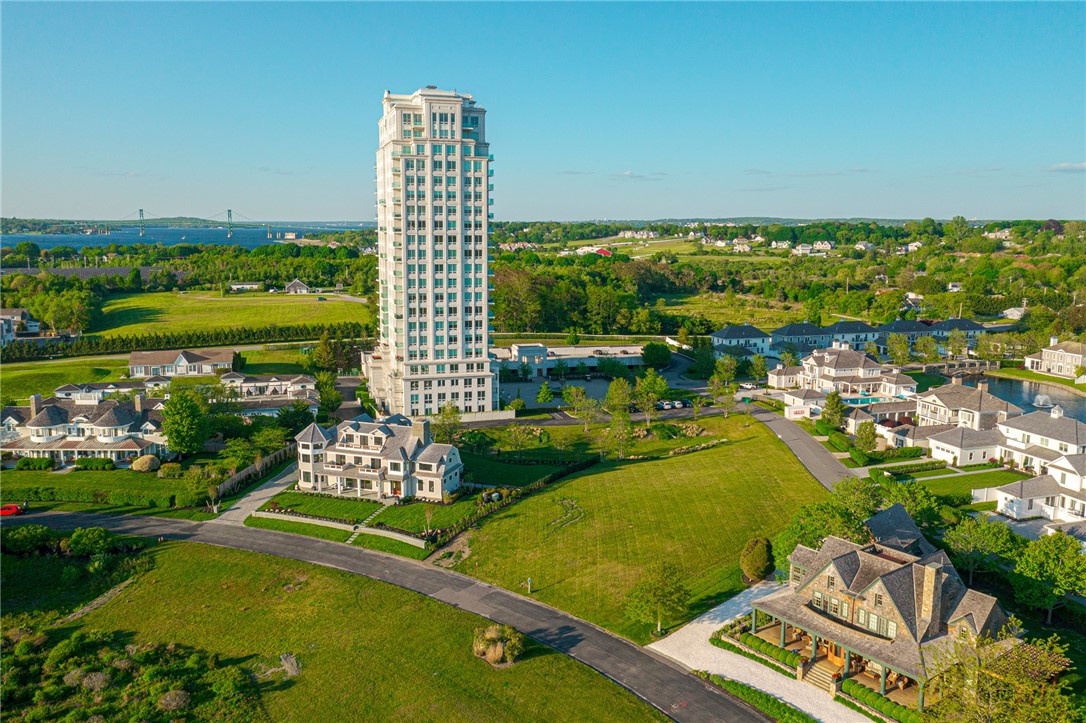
(723, 644)
(38, 463)
(882, 704)
(756, 559)
(99, 463)
(823, 429)
(773, 651)
(766, 703)
(859, 456)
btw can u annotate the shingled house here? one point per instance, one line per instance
(66, 429)
(186, 363)
(392, 458)
(876, 612)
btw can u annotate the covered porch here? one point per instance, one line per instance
(830, 660)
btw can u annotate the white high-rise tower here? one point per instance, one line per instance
(433, 209)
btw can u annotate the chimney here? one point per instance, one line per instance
(982, 384)
(1053, 340)
(35, 405)
(955, 380)
(137, 402)
(931, 602)
(421, 429)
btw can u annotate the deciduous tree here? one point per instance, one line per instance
(898, 347)
(447, 423)
(184, 422)
(866, 441)
(977, 543)
(648, 391)
(1048, 570)
(834, 410)
(660, 594)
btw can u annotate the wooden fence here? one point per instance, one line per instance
(256, 470)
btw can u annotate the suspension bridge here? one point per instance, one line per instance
(228, 218)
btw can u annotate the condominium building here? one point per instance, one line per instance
(433, 209)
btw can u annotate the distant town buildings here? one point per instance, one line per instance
(639, 234)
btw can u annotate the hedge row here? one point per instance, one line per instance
(116, 497)
(764, 702)
(907, 469)
(823, 428)
(725, 645)
(840, 441)
(859, 456)
(882, 704)
(787, 657)
(441, 537)
(98, 463)
(88, 345)
(895, 453)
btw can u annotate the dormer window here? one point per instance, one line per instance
(878, 600)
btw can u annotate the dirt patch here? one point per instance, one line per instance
(571, 512)
(99, 601)
(458, 550)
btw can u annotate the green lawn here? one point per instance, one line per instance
(276, 361)
(298, 528)
(764, 314)
(488, 471)
(352, 510)
(22, 379)
(964, 483)
(14, 481)
(395, 547)
(167, 312)
(585, 540)
(924, 382)
(1035, 377)
(409, 657)
(413, 517)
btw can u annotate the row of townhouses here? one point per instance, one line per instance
(803, 337)
(67, 429)
(387, 459)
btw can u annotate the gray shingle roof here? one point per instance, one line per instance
(963, 324)
(959, 396)
(904, 326)
(965, 438)
(1045, 424)
(1043, 486)
(802, 328)
(740, 331)
(850, 327)
(313, 434)
(894, 527)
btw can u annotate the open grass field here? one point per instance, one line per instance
(20, 380)
(586, 540)
(367, 650)
(1035, 377)
(924, 382)
(86, 480)
(166, 312)
(350, 509)
(765, 315)
(298, 528)
(277, 361)
(964, 483)
(488, 471)
(413, 517)
(394, 547)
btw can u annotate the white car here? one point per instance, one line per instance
(748, 385)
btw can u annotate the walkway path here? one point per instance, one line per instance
(251, 502)
(690, 646)
(818, 460)
(650, 676)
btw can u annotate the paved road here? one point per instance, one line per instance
(817, 459)
(660, 682)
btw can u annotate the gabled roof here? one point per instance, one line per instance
(842, 359)
(966, 438)
(49, 416)
(904, 326)
(963, 324)
(1069, 347)
(895, 528)
(1043, 486)
(191, 356)
(1074, 462)
(850, 327)
(959, 396)
(1047, 424)
(740, 331)
(802, 328)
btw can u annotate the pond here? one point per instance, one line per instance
(1023, 393)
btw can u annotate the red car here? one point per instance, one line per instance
(8, 510)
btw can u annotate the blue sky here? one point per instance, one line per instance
(594, 110)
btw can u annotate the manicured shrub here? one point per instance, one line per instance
(840, 441)
(171, 470)
(859, 456)
(26, 539)
(756, 559)
(89, 541)
(823, 429)
(98, 463)
(766, 703)
(907, 469)
(776, 652)
(37, 463)
(146, 463)
(880, 703)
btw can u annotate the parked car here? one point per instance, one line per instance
(10, 510)
(679, 404)
(321, 298)
(748, 385)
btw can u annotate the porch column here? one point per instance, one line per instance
(814, 646)
(754, 621)
(848, 662)
(920, 697)
(782, 633)
(882, 683)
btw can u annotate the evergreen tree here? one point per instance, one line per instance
(545, 394)
(833, 411)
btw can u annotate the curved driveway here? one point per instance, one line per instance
(654, 679)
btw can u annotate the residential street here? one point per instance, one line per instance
(658, 681)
